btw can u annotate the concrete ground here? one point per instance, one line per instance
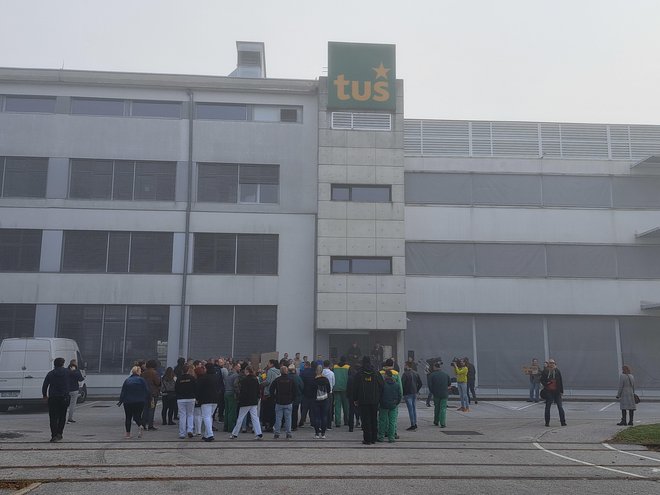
(499, 447)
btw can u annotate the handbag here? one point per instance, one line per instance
(321, 394)
(635, 396)
(544, 394)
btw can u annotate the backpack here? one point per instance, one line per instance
(390, 397)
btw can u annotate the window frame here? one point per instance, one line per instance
(352, 259)
(352, 187)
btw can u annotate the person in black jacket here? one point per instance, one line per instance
(283, 391)
(185, 399)
(367, 389)
(248, 399)
(206, 394)
(411, 383)
(55, 389)
(553, 387)
(308, 374)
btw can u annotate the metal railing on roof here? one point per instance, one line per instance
(530, 139)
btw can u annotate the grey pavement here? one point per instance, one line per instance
(500, 446)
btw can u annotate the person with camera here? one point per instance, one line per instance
(553, 388)
(461, 372)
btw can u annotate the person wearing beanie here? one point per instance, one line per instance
(367, 390)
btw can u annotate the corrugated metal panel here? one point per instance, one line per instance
(530, 139)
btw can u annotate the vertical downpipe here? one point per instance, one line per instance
(184, 280)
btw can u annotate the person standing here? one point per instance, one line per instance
(268, 404)
(167, 390)
(55, 390)
(330, 375)
(75, 378)
(367, 389)
(354, 354)
(554, 388)
(185, 399)
(389, 401)
(534, 372)
(151, 376)
(389, 370)
(309, 394)
(231, 388)
(471, 380)
(461, 372)
(248, 399)
(283, 392)
(411, 383)
(299, 387)
(341, 371)
(439, 384)
(134, 395)
(626, 395)
(321, 392)
(206, 395)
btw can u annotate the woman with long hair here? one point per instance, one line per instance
(626, 395)
(167, 390)
(321, 403)
(134, 395)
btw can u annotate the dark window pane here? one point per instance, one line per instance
(85, 251)
(249, 193)
(255, 330)
(370, 194)
(151, 252)
(288, 115)
(340, 265)
(155, 181)
(123, 182)
(341, 193)
(217, 183)
(17, 320)
(118, 252)
(30, 104)
(211, 331)
(259, 174)
(146, 334)
(167, 109)
(83, 324)
(112, 348)
(371, 265)
(91, 106)
(91, 179)
(269, 193)
(25, 177)
(214, 253)
(20, 250)
(257, 254)
(221, 111)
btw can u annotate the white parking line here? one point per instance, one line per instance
(536, 444)
(608, 446)
(603, 408)
(525, 407)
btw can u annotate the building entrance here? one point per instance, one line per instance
(379, 345)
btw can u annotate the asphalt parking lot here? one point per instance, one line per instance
(498, 447)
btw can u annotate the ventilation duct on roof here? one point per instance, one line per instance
(251, 60)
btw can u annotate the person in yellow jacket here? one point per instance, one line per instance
(383, 424)
(461, 372)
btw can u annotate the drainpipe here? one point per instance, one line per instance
(184, 279)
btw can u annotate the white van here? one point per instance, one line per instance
(24, 363)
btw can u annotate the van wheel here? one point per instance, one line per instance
(83, 395)
(4, 408)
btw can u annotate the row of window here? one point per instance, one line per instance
(113, 337)
(91, 251)
(578, 191)
(152, 108)
(532, 260)
(361, 265)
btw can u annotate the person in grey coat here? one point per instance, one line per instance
(626, 395)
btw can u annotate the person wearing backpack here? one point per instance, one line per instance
(283, 392)
(389, 401)
(367, 389)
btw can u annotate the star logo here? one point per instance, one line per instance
(381, 71)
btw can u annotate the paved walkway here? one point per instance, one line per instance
(499, 447)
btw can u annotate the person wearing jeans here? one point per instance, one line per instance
(283, 391)
(461, 372)
(74, 377)
(554, 388)
(320, 405)
(534, 373)
(411, 383)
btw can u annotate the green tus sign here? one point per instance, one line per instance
(361, 76)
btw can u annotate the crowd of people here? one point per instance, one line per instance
(279, 397)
